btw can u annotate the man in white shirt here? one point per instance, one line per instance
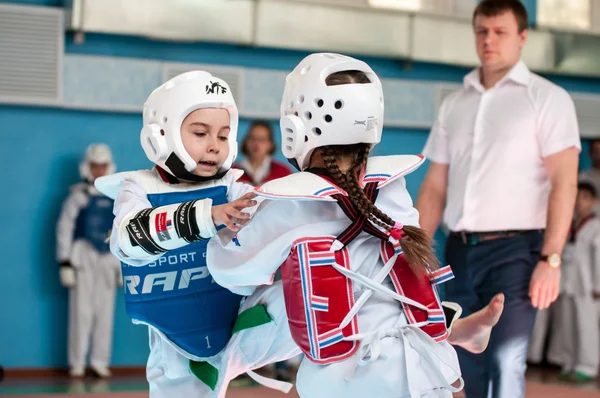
(504, 155)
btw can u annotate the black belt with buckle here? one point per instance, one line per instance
(474, 238)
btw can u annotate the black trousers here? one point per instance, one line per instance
(481, 271)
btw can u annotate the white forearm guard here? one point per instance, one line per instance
(160, 229)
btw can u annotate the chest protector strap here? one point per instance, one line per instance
(359, 222)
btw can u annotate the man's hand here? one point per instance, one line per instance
(230, 213)
(544, 285)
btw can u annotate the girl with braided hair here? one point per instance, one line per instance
(415, 243)
(358, 274)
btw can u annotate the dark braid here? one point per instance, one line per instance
(349, 181)
(357, 194)
(360, 164)
(329, 157)
(415, 243)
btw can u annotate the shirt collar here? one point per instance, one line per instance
(519, 74)
(262, 172)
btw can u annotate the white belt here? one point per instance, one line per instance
(416, 342)
(270, 383)
(417, 345)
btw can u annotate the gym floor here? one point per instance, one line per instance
(541, 382)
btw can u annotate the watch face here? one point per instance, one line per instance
(554, 260)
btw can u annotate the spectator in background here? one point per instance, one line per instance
(592, 175)
(546, 345)
(580, 287)
(87, 267)
(547, 320)
(259, 167)
(258, 147)
(504, 153)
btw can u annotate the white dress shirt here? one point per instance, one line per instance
(494, 142)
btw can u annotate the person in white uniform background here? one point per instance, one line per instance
(545, 345)
(592, 175)
(547, 321)
(580, 287)
(87, 268)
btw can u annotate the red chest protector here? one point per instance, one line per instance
(317, 299)
(319, 296)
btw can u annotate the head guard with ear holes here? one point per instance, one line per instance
(98, 154)
(167, 107)
(314, 114)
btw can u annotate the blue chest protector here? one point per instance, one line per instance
(177, 295)
(94, 222)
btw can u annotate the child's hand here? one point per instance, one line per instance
(230, 214)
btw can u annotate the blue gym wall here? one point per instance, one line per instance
(41, 147)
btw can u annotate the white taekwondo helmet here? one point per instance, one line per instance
(99, 154)
(314, 114)
(167, 107)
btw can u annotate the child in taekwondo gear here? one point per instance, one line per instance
(87, 267)
(358, 275)
(164, 217)
(580, 288)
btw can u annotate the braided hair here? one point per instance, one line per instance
(415, 243)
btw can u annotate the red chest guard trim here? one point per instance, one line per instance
(318, 298)
(308, 186)
(385, 169)
(420, 288)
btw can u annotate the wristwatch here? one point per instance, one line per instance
(553, 260)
